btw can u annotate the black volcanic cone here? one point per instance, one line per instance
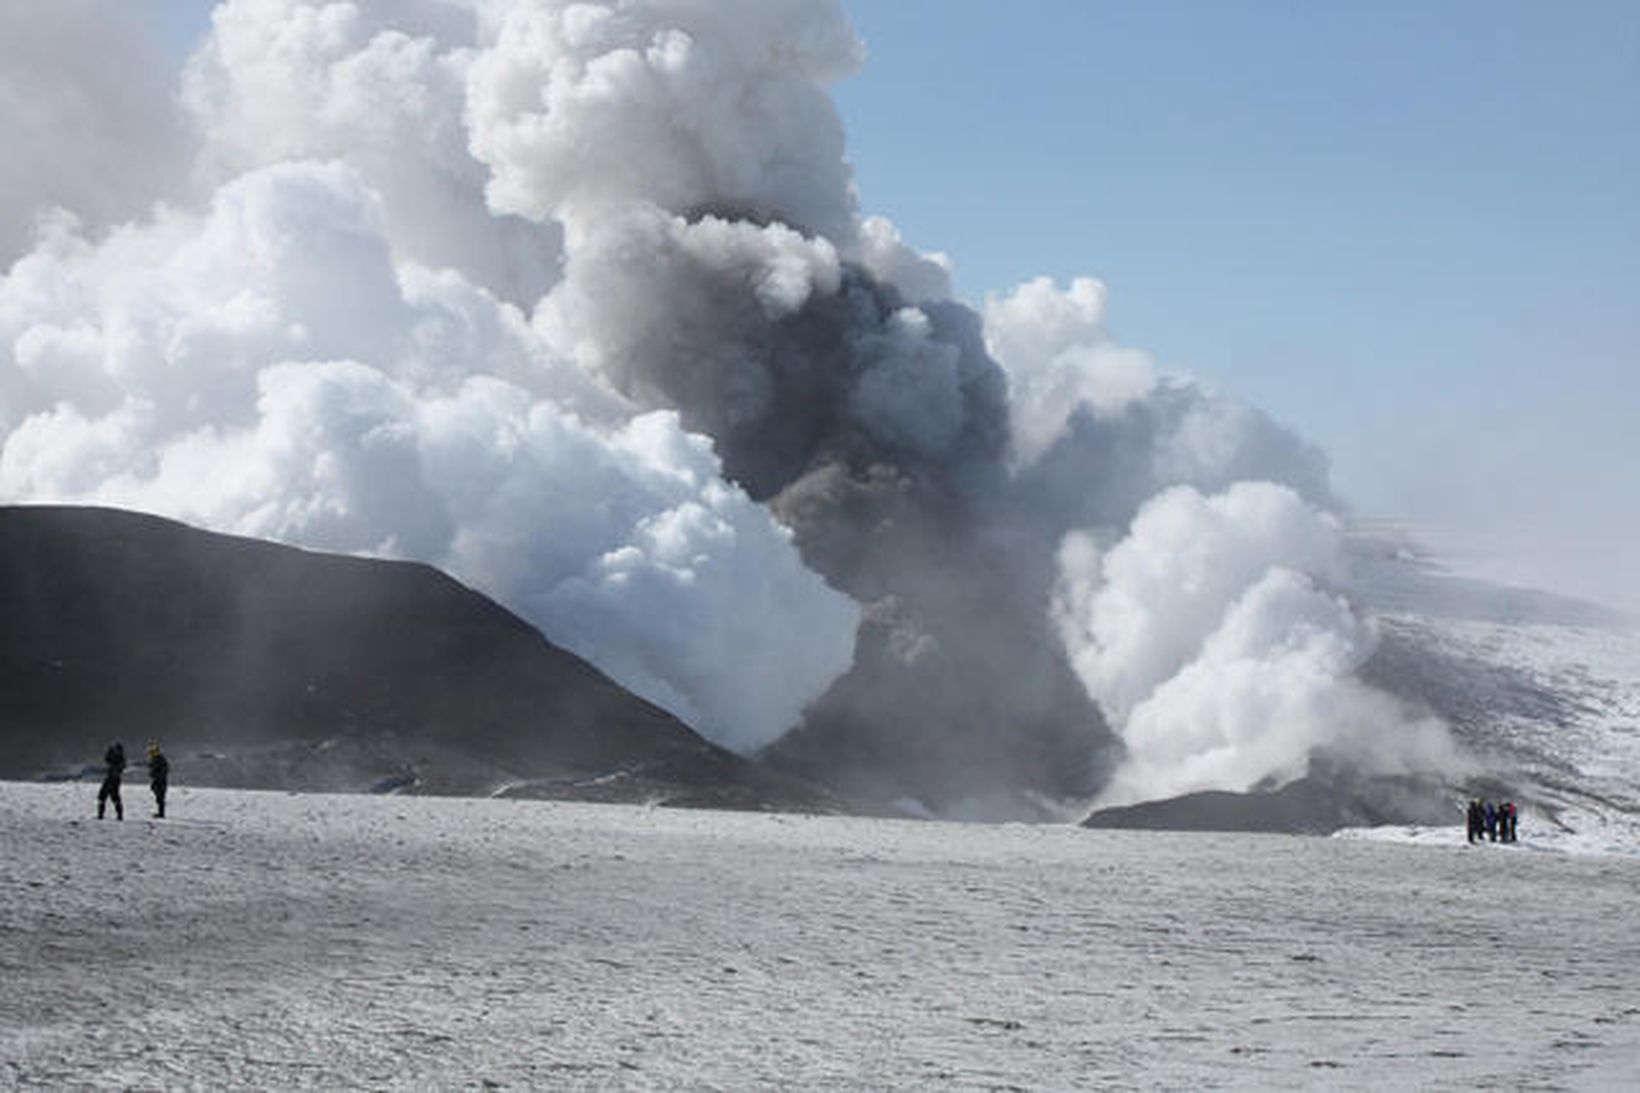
(342, 670)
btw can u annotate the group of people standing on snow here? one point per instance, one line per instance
(159, 779)
(1490, 822)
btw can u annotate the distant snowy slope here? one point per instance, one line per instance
(1543, 689)
(1565, 695)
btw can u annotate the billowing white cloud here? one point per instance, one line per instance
(919, 277)
(1211, 640)
(1097, 430)
(1060, 359)
(559, 295)
(275, 373)
(684, 104)
(380, 86)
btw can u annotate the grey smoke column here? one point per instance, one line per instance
(960, 691)
(716, 264)
(878, 432)
(576, 302)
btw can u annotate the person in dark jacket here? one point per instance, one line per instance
(113, 771)
(159, 776)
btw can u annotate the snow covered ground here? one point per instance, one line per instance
(1592, 671)
(278, 940)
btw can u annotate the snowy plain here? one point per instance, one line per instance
(276, 940)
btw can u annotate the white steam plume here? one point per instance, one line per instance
(587, 112)
(1098, 430)
(1210, 640)
(1060, 360)
(1196, 590)
(559, 296)
(271, 371)
(695, 106)
(380, 87)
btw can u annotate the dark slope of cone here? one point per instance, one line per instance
(265, 666)
(1324, 801)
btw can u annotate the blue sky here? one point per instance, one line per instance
(1409, 229)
